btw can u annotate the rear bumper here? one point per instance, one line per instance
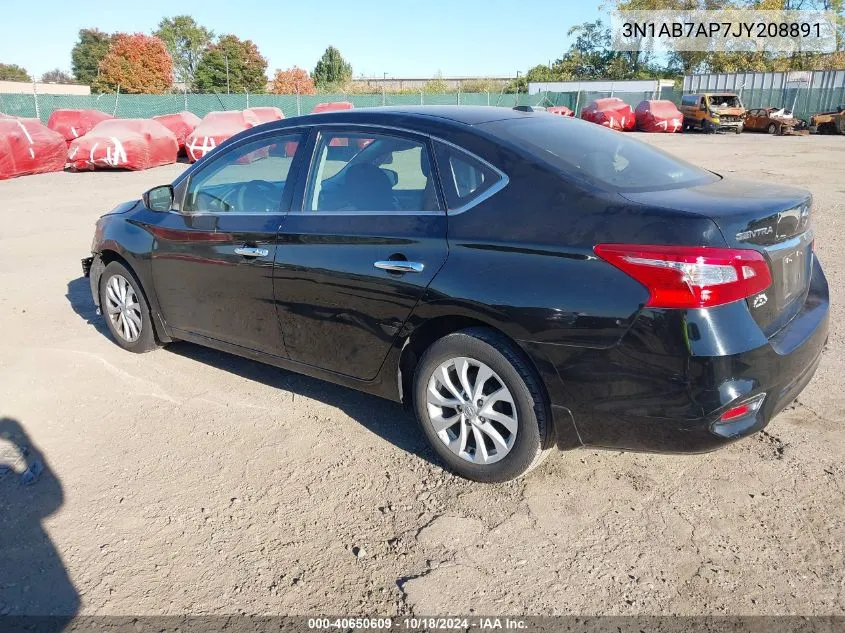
(666, 384)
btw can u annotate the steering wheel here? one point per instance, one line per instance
(257, 195)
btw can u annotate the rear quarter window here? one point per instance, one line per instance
(465, 177)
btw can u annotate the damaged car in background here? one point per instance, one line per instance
(832, 122)
(779, 121)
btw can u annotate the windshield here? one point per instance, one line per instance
(725, 101)
(605, 158)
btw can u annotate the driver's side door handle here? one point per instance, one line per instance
(251, 251)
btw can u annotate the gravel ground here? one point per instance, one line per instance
(191, 481)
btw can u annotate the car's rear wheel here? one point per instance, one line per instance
(125, 309)
(481, 406)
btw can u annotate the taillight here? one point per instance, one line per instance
(690, 276)
(744, 409)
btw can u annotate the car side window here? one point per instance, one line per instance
(248, 179)
(357, 172)
(464, 176)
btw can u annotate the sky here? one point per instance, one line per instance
(402, 38)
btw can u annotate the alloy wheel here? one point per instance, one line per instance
(472, 410)
(122, 308)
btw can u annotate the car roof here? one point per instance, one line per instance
(466, 115)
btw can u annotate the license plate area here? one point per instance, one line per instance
(793, 274)
(791, 262)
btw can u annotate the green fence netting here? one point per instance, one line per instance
(804, 102)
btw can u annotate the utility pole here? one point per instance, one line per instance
(226, 57)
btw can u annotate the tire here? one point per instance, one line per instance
(738, 129)
(525, 410)
(132, 328)
(772, 129)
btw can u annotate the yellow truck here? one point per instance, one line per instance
(713, 111)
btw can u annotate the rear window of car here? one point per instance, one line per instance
(601, 157)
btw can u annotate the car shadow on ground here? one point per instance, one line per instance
(387, 419)
(33, 579)
(79, 297)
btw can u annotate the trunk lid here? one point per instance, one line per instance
(772, 219)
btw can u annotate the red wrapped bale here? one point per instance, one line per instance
(180, 123)
(337, 106)
(265, 114)
(28, 147)
(124, 144)
(611, 112)
(333, 106)
(561, 111)
(215, 128)
(75, 123)
(658, 116)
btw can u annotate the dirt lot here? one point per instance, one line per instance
(190, 481)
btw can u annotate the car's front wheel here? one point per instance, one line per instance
(125, 309)
(481, 406)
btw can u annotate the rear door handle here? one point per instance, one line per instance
(250, 251)
(399, 266)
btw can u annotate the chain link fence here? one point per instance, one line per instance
(130, 106)
(806, 102)
(145, 106)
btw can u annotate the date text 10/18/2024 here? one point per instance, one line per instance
(417, 623)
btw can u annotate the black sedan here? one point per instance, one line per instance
(521, 280)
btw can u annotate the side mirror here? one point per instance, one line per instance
(159, 199)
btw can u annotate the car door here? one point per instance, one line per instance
(360, 246)
(752, 121)
(212, 258)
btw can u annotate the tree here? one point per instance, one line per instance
(56, 76)
(13, 72)
(186, 41)
(231, 65)
(590, 55)
(293, 81)
(332, 69)
(87, 53)
(438, 85)
(137, 63)
(520, 84)
(542, 72)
